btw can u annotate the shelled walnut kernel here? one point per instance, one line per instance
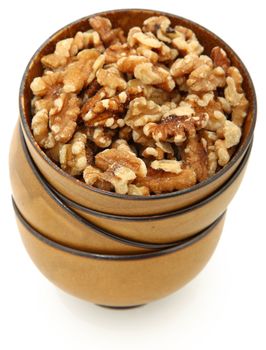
(138, 113)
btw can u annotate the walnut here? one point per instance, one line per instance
(91, 174)
(108, 119)
(186, 65)
(72, 156)
(98, 64)
(166, 54)
(154, 23)
(145, 39)
(91, 101)
(147, 52)
(183, 109)
(150, 74)
(93, 177)
(152, 152)
(67, 48)
(63, 116)
(175, 128)
(102, 137)
(159, 96)
(204, 78)
(119, 176)
(195, 156)
(138, 115)
(53, 152)
(116, 51)
(186, 41)
(129, 63)
(158, 25)
(172, 166)
(125, 133)
(134, 190)
(225, 104)
(229, 136)
(140, 138)
(183, 66)
(122, 145)
(208, 139)
(132, 41)
(147, 45)
(208, 104)
(91, 117)
(112, 78)
(141, 111)
(106, 158)
(220, 59)
(108, 35)
(40, 128)
(63, 109)
(159, 181)
(115, 103)
(82, 70)
(235, 96)
(47, 88)
(90, 91)
(107, 112)
(134, 89)
(157, 150)
(165, 147)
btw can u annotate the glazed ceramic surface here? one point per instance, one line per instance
(108, 202)
(120, 280)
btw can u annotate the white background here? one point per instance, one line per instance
(225, 306)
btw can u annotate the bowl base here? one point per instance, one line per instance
(120, 307)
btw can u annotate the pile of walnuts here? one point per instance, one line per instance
(141, 114)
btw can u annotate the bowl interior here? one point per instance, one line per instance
(126, 19)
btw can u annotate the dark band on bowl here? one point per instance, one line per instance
(182, 245)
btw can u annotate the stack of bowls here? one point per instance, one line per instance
(118, 250)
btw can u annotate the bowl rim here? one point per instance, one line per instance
(66, 202)
(154, 254)
(86, 187)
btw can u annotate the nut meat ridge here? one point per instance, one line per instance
(139, 113)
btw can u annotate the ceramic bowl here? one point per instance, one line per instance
(112, 203)
(120, 281)
(169, 227)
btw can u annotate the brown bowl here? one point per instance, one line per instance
(120, 281)
(52, 218)
(169, 227)
(113, 203)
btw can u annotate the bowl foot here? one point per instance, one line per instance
(120, 307)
